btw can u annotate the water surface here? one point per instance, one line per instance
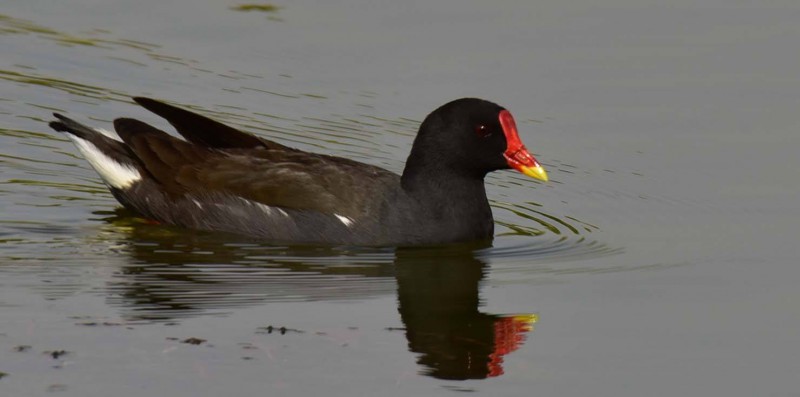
(661, 258)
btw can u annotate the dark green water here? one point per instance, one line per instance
(660, 260)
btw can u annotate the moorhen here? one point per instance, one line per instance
(223, 179)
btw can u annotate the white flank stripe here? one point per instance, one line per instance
(115, 174)
(263, 207)
(347, 221)
(267, 209)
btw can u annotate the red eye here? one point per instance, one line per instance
(481, 131)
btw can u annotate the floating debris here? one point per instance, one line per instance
(283, 330)
(256, 7)
(56, 354)
(104, 323)
(193, 341)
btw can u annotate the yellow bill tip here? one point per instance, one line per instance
(537, 172)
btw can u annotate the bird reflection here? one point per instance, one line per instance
(438, 294)
(176, 273)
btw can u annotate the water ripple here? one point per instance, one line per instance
(528, 233)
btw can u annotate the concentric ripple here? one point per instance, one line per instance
(526, 231)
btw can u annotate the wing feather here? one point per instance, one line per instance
(245, 166)
(204, 131)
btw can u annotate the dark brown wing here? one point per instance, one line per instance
(288, 179)
(294, 180)
(163, 156)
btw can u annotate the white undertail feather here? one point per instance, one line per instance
(114, 174)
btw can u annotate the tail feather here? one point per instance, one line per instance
(66, 124)
(115, 162)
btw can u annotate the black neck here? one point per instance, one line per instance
(456, 203)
